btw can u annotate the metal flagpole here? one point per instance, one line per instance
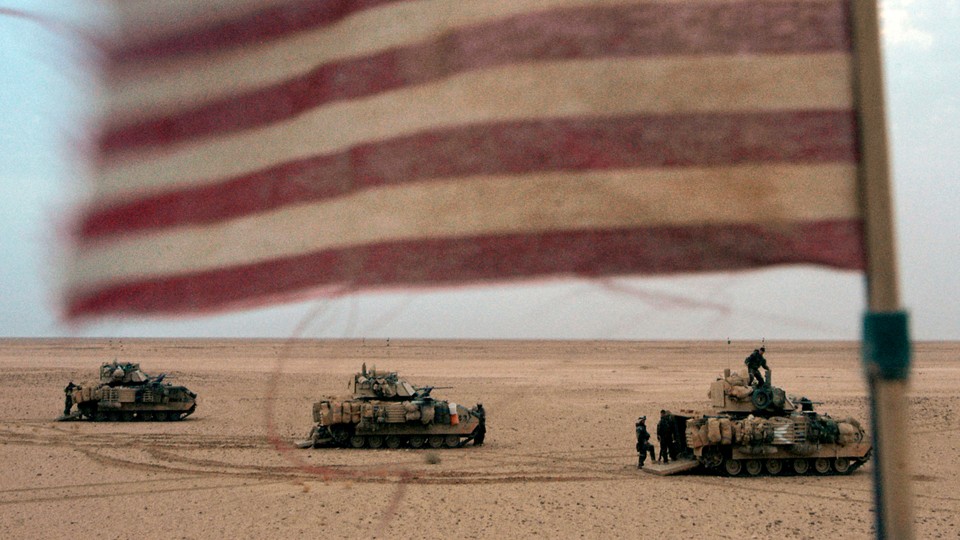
(886, 343)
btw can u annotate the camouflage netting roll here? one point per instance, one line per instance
(321, 412)
(336, 413)
(693, 434)
(753, 430)
(713, 431)
(735, 379)
(849, 433)
(726, 431)
(427, 413)
(356, 410)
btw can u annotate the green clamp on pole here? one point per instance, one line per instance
(886, 357)
(886, 345)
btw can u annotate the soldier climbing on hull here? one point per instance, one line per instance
(643, 442)
(754, 362)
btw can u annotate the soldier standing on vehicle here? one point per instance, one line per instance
(754, 362)
(643, 442)
(68, 397)
(665, 436)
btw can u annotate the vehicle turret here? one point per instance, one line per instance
(384, 386)
(122, 374)
(733, 395)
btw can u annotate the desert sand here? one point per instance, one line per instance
(559, 459)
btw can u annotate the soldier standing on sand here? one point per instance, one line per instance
(665, 436)
(754, 362)
(643, 442)
(481, 431)
(68, 397)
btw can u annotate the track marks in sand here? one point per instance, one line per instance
(193, 456)
(115, 489)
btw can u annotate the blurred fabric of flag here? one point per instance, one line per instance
(258, 150)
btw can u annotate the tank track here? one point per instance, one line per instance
(326, 437)
(137, 416)
(791, 466)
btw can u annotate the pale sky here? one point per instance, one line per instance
(45, 97)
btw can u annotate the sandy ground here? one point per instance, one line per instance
(559, 459)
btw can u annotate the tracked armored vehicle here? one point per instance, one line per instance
(126, 393)
(387, 411)
(759, 429)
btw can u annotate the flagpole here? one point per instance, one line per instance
(886, 343)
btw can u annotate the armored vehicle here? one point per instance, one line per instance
(385, 410)
(759, 429)
(125, 392)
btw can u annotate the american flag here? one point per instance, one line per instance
(262, 149)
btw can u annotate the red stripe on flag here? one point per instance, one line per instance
(261, 26)
(498, 149)
(494, 258)
(644, 30)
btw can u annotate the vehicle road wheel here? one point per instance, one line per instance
(774, 466)
(732, 467)
(841, 465)
(801, 466)
(392, 441)
(357, 441)
(435, 441)
(821, 465)
(753, 466)
(761, 398)
(375, 441)
(451, 441)
(99, 416)
(417, 441)
(173, 416)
